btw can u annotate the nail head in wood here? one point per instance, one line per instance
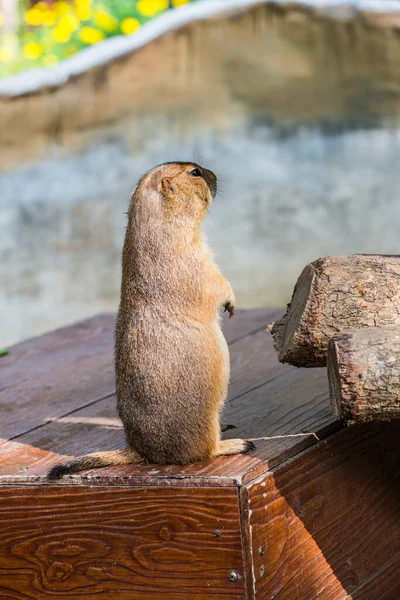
(217, 533)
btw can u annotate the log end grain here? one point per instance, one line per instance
(293, 332)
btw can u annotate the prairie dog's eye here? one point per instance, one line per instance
(195, 173)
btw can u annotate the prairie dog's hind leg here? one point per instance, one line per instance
(236, 446)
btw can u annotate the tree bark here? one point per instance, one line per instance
(364, 374)
(334, 294)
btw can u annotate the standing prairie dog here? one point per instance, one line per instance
(171, 358)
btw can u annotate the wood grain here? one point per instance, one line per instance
(140, 543)
(328, 521)
(385, 585)
(51, 375)
(247, 321)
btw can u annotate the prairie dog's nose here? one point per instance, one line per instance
(211, 179)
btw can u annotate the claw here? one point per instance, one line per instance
(230, 308)
(227, 426)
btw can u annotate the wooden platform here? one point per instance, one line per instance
(313, 513)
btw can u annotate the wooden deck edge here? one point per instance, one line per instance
(107, 479)
(118, 481)
(306, 443)
(247, 542)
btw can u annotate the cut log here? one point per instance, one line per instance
(334, 294)
(364, 374)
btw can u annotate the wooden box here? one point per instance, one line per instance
(312, 514)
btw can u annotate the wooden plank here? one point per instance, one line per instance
(147, 544)
(52, 375)
(275, 415)
(327, 521)
(253, 363)
(247, 321)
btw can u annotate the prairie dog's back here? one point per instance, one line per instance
(170, 356)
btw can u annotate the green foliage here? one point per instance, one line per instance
(50, 32)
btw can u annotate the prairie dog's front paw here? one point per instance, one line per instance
(228, 306)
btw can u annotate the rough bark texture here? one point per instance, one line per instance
(364, 374)
(335, 294)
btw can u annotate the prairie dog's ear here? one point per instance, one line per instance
(167, 187)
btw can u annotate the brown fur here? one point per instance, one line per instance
(171, 358)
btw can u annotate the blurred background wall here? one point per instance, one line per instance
(294, 106)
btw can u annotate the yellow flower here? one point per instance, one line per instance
(149, 8)
(62, 7)
(6, 54)
(32, 50)
(69, 22)
(105, 21)
(61, 34)
(83, 10)
(33, 17)
(129, 26)
(49, 60)
(49, 17)
(179, 2)
(90, 35)
(65, 26)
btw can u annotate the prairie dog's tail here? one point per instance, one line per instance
(94, 461)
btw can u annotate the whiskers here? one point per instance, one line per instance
(221, 188)
(173, 154)
(197, 157)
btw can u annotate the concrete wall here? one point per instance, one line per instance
(295, 107)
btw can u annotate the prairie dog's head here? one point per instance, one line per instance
(178, 189)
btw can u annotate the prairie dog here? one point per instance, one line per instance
(171, 358)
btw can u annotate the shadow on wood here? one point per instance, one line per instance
(329, 519)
